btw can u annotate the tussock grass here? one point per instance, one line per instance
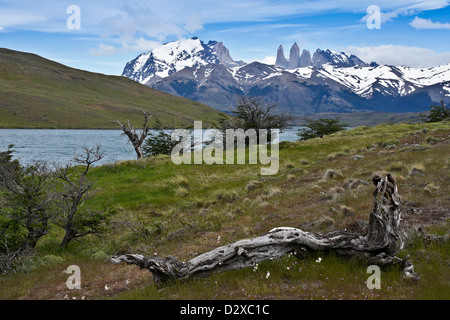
(417, 169)
(397, 166)
(332, 174)
(335, 155)
(252, 185)
(180, 180)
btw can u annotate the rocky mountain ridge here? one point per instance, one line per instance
(327, 81)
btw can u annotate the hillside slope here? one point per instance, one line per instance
(39, 93)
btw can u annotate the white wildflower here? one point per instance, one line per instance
(319, 260)
(268, 275)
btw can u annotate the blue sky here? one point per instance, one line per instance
(112, 32)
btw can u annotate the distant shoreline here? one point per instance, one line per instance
(354, 119)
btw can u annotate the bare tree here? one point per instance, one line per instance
(136, 139)
(379, 245)
(255, 113)
(76, 218)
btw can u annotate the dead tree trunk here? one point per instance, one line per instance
(135, 139)
(378, 246)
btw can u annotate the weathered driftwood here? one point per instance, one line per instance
(378, 245)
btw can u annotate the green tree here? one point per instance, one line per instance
(319, 128)
(26, 209)
(159, 142)
(437, 113)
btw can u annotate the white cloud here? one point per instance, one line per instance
(420, 23)
(154, 23)
(400, 55)
(134, 45)
(103, 50)
(13, 18)
(141, 28)
(270, 60)
(264, 10)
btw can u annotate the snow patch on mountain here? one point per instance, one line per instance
(175, 56)
(211, 74)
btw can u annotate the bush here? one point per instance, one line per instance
(158, 143)
(437, 113)
(319, 128)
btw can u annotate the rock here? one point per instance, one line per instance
(354, 183)
(334, 210)
(325, 222)
(417, 170)
(281, 60)
(294, 57)
(347, 212)
(331, 174)
(304, 162)
(252, 185)
(362, 224)
(272, 216)
(307, 225)
(305, 59)
(415, 211)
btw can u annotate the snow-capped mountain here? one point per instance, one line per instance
(172, 57)
(327, 81)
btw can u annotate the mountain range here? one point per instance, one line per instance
(323, 82)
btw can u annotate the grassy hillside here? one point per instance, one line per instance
(39, 93)
(356, 119)
(185, 210)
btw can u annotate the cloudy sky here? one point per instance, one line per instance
(101, 36)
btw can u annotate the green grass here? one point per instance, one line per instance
(39, 93)
(185, 210)
(354, 119)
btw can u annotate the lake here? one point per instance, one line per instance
(61, 145)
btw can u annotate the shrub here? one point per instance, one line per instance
(319, 128)
(437, 113)
(157, 143)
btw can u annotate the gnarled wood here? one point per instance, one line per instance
(378, 246)
(136, 139)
